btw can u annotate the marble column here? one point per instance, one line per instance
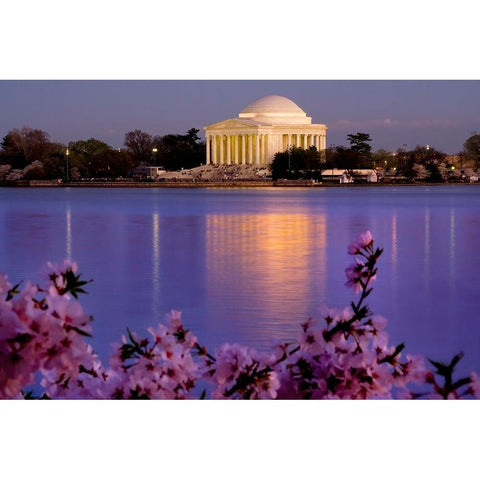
(262, 149)
(209, 138)
(235, 149)
(257, 149)
(214, 149)
(243, 150)
(250, 149)
(221, 149)
(228, 150)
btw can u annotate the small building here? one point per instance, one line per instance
(342, 175)
(147, 172)
(154, 172)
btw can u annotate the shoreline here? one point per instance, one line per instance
(225, 184)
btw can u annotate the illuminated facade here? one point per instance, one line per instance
(266, 126)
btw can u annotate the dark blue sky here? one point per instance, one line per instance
(440, 113)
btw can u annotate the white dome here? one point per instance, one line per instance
(275, 110)
(273, 104)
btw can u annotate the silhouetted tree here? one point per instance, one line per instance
(472, 149)
(179, 151)
(426, 156)
(114, 163)
(434, 173)
(139, 144)
(11, 152)
(359, 145)
(20, 147)
(346, 158)
(54, 164)
(295, 163)
(95, 159)
(384, 159)
(405, 163)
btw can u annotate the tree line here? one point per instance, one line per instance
(422, 162)
(295, 162)
(29, 154)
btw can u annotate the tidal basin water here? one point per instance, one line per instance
(249, 265)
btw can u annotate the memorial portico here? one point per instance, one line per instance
(266, 126)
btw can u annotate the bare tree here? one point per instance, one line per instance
(472, 149)
(20, 147)
(140, 145)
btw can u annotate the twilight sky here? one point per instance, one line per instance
(440, 113)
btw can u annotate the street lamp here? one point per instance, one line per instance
(154, 155)
(394, 158)
(66, 171)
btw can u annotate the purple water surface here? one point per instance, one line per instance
(248, 265)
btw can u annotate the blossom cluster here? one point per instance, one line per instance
(160, 368)
(344, 355)
(43, 335)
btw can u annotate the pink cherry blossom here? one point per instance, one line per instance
(355, 276)
(475, 384)
(5, 285)
(364, 240)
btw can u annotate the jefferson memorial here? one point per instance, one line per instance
(266, 126)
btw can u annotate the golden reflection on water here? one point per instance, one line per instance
(394, 243)
(267, 253)
(155, 262)
(452, 251)
(69, 233)
(427, 247)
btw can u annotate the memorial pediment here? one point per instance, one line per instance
(233, 124)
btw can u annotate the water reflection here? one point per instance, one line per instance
(452, 252)
(394, 243)
(262, 263)
(249, 265)
(426, 266)
(155, 264)
(69, 233)
(394, 257)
